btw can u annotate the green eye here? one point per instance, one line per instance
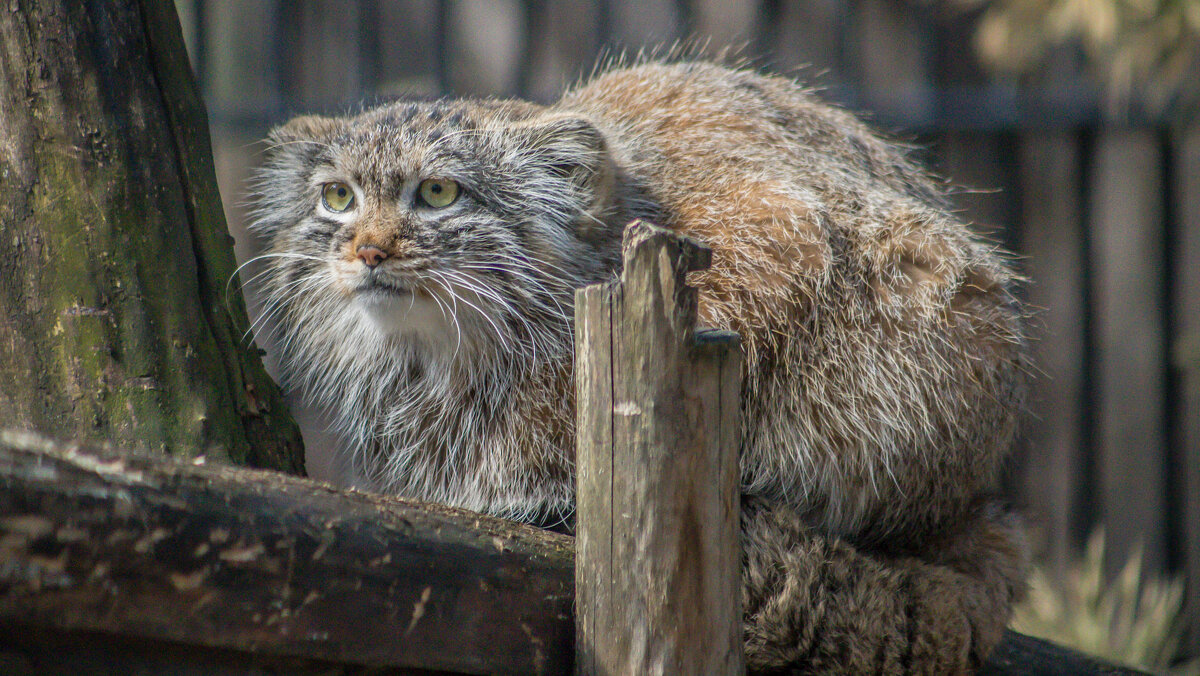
(337, 197)
(438, 192)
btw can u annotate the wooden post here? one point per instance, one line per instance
(657, 569)
(1186, 361)
(1127, 289)
(1053, 238)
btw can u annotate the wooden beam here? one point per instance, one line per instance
(658, 565)
(1186, 363)
(1054, 242)
(99, 540)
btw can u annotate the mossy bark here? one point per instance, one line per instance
(117, 322)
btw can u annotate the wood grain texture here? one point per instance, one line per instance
(97, 540)
(594, 605)
(658, 568)
(112, 562)
(1127, 257)
(36, 651)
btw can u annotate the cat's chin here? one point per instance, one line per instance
(404, 314)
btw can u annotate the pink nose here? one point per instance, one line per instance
(371, 255)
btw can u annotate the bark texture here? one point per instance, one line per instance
(117, 320)
(158, 551)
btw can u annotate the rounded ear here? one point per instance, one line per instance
(300, 132)
(569, 145)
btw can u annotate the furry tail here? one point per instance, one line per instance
(816, 604)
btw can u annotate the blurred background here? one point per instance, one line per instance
(1069, 126)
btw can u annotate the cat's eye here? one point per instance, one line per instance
(337, 197)
(438, 192)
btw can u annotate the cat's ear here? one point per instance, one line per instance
(300, 134)
(569, 145)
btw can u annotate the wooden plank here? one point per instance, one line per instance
(722, 23)
(238, 34)
(405, 50)
(36, 651)
(98, 540)
(594, 470)
(984, 190)
(642, 24)
(323, 55)
(893, 55)
(1127, 257)
(1186, 360)
(1053, 245)
(804, 37)
(555, 58)
(483, 44)
(666, 494)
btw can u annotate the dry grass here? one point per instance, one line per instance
(1134, 620)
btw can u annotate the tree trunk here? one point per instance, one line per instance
(118, 322)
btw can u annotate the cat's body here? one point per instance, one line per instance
(884, 350)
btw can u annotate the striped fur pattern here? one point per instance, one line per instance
(885, 354)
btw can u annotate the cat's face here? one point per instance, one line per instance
(450, 225)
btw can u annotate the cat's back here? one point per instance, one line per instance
(862, 300)
(695, 118)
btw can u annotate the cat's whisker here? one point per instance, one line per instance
(475, 286)
(538, 283)
(449, 315)
(265, 257)
(449, 287)
(274, 304)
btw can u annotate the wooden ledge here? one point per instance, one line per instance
(96, 540)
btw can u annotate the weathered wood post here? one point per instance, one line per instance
(657, 569)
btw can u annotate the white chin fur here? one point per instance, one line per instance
(407, 316)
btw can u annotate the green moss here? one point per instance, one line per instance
(126, 339)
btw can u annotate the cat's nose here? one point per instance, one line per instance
(370, 255)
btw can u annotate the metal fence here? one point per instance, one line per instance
(1104, 211)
